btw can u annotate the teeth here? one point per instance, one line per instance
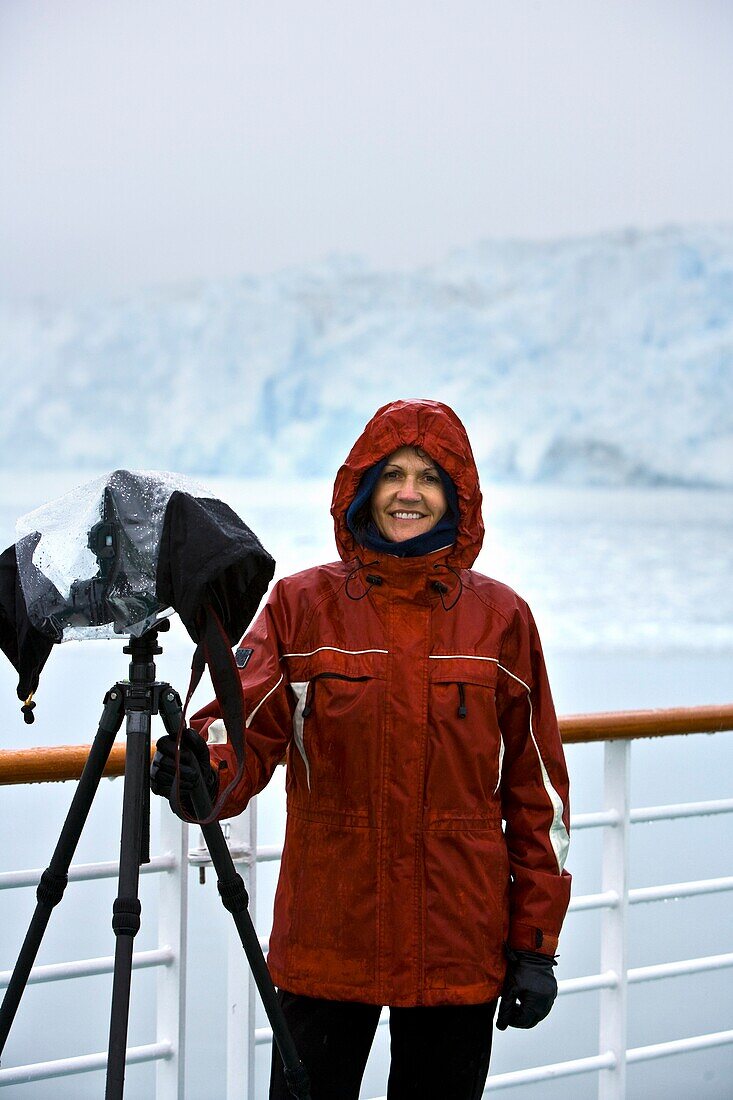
(407, 515)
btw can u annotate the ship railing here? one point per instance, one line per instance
(616, 730)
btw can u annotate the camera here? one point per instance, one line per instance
(88, 569)
(89, 599)
(109, 597)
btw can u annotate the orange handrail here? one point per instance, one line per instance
(631, 724)
(55, 764)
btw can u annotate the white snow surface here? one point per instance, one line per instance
(604, 360)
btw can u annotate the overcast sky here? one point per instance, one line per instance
(146, 141)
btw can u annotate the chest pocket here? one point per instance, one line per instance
(465, 748)
(339, 708)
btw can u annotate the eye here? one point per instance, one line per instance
(433, 479)
(391, 475)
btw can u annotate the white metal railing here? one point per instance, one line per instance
(168, 1050)
(612, 980)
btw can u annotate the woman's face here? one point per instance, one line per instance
(408, 499)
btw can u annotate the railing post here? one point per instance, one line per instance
(614, 928)
(172, 932)
(241, 834)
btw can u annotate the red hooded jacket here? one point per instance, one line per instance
(413, 721)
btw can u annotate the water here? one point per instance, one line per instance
(633, 596)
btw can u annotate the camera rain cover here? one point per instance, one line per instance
(87, 562)
(112, 556)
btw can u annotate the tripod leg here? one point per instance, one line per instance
(55, 877)
(234, 898)
(126, 910)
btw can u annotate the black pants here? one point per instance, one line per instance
(437, 1053)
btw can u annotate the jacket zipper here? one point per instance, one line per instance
(311, 691)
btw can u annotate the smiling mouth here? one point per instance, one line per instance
(407, 515)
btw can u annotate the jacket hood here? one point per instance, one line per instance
(434, 428)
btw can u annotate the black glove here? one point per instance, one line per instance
(529, 989)
(195, 765)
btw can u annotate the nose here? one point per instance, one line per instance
(409, 490)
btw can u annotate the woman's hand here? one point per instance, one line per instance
(529, 990)
(195, 766)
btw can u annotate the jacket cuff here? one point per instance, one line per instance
(527, 937)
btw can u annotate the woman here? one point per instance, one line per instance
(409, 697)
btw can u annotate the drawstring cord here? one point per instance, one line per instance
(373, 580)
(441, 588)
(27, 710)
(462, 712)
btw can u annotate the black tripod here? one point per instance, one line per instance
(137, 700)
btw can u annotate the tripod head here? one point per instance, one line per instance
(145, 648)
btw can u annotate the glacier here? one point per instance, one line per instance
(606, 360)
